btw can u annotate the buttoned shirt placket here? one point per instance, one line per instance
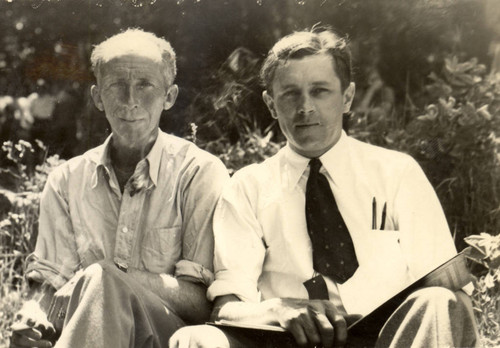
(127, 230)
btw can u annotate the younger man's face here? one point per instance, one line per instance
(308, 102)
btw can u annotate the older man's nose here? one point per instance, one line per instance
(131, 96)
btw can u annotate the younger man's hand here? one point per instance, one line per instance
(314, 322)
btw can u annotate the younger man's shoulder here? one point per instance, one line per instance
(373, 153)
(262, 172)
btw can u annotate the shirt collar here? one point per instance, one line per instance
(102, 160)
(334, 162)
(154, 157)
(101, 157)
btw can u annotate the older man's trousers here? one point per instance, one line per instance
(109, 309)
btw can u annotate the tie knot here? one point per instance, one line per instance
(315, 164)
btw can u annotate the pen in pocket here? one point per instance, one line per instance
(374, 214)
(384, 213)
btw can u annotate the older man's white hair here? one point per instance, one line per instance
(136, 42)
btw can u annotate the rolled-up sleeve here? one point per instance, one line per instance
(201, 188)
(239, 246)
(55, 258)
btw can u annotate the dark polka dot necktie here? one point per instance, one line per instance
(333, 250)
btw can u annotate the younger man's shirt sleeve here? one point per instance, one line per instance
(239, 247)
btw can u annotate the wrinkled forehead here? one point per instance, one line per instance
(133, 65)
(139, 48)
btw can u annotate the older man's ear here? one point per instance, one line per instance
(171, 96)
(96, 97)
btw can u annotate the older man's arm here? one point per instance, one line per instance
(185, 291)
(185, 298)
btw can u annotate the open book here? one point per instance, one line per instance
(453, 274)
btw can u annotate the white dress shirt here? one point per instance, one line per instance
(263, 250)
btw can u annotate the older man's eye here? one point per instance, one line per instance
(117, 84)
(145, 84)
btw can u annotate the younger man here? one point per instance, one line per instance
(329, 227)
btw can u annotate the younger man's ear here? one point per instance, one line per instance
(171, 97)
(348, 97)
(96, 97)
(268, 99)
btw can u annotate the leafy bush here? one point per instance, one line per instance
(25, 178)
(456, 139)
(486, 296)
(19, 219)
(253, 147)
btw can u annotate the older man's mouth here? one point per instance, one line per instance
(306, 125)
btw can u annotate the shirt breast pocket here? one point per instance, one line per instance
(161, 249)
(387, 257)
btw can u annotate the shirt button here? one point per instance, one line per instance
(125, 229)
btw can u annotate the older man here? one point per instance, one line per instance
(125, 245)
(329, 227)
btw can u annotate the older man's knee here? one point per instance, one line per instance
(98, 275)
(202, 336)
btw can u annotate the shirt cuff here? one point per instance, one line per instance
(41, 271)
(193, 272)
(229, 283)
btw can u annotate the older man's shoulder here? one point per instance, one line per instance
(188, 151)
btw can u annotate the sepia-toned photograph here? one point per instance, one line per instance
(250, 173)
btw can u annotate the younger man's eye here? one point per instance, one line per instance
(319, 91)
(291, 94)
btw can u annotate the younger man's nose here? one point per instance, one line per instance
(306, 105)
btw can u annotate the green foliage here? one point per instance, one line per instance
(19, 219)
(10, 303)
(486, 296)
(253, 147)
(456, 140)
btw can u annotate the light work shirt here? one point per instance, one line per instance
(262, 247)
(166, 227)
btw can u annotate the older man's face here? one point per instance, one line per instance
(133, 91)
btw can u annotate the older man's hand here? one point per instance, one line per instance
(31, 328)
(60, 301)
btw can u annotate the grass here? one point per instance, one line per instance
(11, 301)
